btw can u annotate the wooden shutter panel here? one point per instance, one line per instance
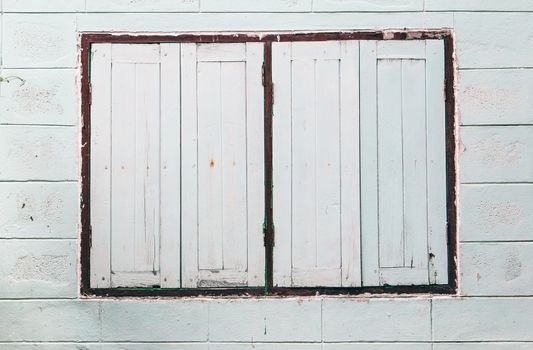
(403, 175)
(223, 165)
(315, 164)
(134, 169)
(173, 165)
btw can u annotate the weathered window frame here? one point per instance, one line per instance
(87, 39)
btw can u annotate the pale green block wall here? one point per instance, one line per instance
(39, 143)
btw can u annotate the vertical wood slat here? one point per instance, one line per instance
(282, 163)
(369, 162)
(170, 259)
(123, 166)
(414, 164)
(303, 167)
(189, 167)
(228, 101)
(147, 167)
(402, 257)
(210, 167)
(311, 100)
(349, 158)
(255, 163)
(436, 166)
(233, 163)
(390, 163)
(101, 166)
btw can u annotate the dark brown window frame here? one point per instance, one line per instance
(89, 38)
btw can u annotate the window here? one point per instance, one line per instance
(274, 163)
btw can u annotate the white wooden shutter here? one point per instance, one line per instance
(316, 164)
(177, 165)
(222, 165)
(135, 190)
(403, 175)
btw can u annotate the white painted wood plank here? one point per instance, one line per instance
(318, 50)
(436, 163)
(147, 167)
(189, 167)
(233, 162)
(369, 164)
(403, 276)
(137, 279)
(401, 49)
(415, 233)
(390, 163)
(327, 148)
(282, 162)
(221, 52)
(222, 278)
(101, 166)
(123, 166)
(210, 167)
(316, 277)
(255, 164)
(304, 134)
(349, 140)
(136, 53)
(170, 229)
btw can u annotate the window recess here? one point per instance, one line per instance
(185, 132)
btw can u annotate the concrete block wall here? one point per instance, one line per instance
(39, 171)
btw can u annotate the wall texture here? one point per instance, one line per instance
(39, 144)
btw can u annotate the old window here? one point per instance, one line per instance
(264, 164)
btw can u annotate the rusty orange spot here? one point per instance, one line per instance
(212, 163)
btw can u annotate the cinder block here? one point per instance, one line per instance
(361, 319)
(377, 346)
(142, 5)
(43, 6)
(179, 22)
(501, 212)
(482, 43)
(48, 96)
(48, 40)
(496, 268)
(483, 346)
(154, 320)
(478, 5)
(49, 321)
(482, 319)
(155, 346)
(38, 153)
(264, 346)
(497, 154)
(51, 346)
(262, 320)
(38, 210)
(495, 96)
(255, 6)
(365, 5)
(38, 269)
